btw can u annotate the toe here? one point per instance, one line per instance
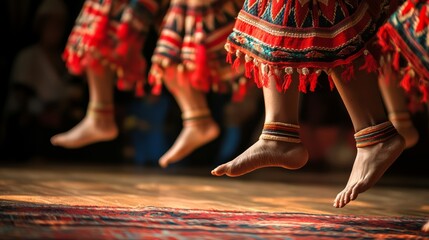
(163, 162)
(219, 171)
(425, 228)
(355, 192)
(337, 200)
(54, 140)
(346, 198)
(340, 200)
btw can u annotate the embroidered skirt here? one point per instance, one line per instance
(112, 33)
(192, 39)
(406, 35)
(280, 37)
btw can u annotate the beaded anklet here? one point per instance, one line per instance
(99, 110)
(375, 134)
(195, 117)
(283, 132)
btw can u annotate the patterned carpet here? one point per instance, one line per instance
(34, 221)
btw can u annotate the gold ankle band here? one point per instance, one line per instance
(195, 114)
(99, 109)
(401, 119)
(399, 116)
(196, 117)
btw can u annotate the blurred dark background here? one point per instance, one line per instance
(35, 110)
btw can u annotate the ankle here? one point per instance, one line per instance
(197, 118)
(373, 135)
(281, 132)
(101, 115)
(401, 119)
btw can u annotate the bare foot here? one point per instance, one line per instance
(408, 132)
(89, 130)
(425, 228)
(370, 164)
(265, 153)
(190, 138)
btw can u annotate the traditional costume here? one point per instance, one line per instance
(405, 36)
(192, 35)
(280, 37)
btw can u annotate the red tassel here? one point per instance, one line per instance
(151, 79)
(256, 76)
(139, 89)
(313, 81)
(125, 40)
(408, 8)
(236, 64)
(74, 64)
(278, 81)
(384, 39)
(395, 62)
(100, 31)
(157, 88)
(240, 92)
(65, 54)
(120, 84)
(370, 64)
(123, 30)
(423, 19)
(406, 82)
(122, 48)
(425, 92)
(200, 76)
(229, 57)
(303, 83)
(331, 83)
(265, 80)
(248, 69)
(348, 73)
(287, 81)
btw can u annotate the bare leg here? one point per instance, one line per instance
(195, 134)
(396, 105)
(99, 123)
(363, 101)
(280, 107)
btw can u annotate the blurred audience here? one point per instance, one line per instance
(42, 96)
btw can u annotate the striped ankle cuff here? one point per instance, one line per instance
(375, 134)
(283, 132)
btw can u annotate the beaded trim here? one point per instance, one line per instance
(375, 134)
(283, 132)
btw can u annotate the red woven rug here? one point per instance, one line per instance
(32, 221)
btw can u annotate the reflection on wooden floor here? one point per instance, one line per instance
(132, 188)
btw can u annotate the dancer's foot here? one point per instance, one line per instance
(370, 164)
(265, 153)
(403, 123)
(279, 146)
(195, 133)
(97, 126)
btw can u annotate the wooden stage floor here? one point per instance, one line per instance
(303, 192)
